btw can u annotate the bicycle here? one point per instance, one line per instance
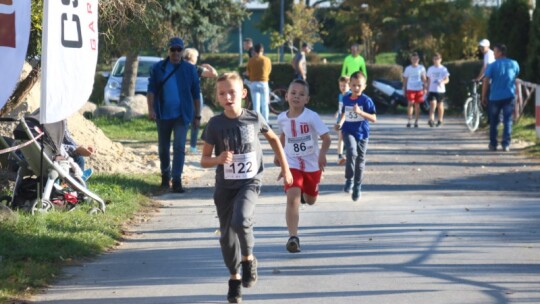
(277, 102)
(472, 110)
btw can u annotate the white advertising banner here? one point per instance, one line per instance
(14, 35)
(69, 56)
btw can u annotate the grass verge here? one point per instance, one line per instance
(525, 130)
(139, 129)
(33, 249)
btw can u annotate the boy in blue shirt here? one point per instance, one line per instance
(358, 110)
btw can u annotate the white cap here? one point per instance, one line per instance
(483, 42)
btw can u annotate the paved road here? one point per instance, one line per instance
(441, 220)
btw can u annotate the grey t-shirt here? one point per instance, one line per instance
(239, 135)
(300, 59)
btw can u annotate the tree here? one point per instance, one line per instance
(303, 27)
(387, 25)
(510, 25)
(202, 23)
(533, 62)
(270, 20)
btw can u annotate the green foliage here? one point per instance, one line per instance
(303, 27)
(202, 23)
(510, 25)
(461, 73)
(532, 69)
(450, 27)
(271, 18)
(33, 248)
(34, 45)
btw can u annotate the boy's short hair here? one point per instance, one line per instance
(358, 75)
(258, 48)
(301, 82)
(232, 76)
(190, 53)
(344, 79)
(437, 54)
(248, 40)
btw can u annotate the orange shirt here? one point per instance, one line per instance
(259, 68)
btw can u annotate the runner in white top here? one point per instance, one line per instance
(437, 78)
(414, 87)
(301, 129)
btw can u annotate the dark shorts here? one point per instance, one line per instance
(432, 96)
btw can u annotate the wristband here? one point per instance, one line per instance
(197, 117)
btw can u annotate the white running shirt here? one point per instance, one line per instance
(302, 139)
(414, 77)
(436, 76)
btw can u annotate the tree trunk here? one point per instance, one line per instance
(22, 90)
(131, 68)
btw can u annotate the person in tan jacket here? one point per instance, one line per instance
(258, 72)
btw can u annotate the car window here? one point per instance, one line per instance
(143, 71)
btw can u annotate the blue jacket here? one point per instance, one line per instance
(180, 102)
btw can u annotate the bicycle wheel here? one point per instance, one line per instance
(277, 102)
(472, 114)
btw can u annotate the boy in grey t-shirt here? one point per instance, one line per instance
(233, 137)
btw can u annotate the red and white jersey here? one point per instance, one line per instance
(302, 139)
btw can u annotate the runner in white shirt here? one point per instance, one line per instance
(437, 75)
(414, 86)
(300, 131)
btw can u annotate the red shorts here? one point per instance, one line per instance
(415, 96)
(308, 182)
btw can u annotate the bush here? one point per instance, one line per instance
(461, 72)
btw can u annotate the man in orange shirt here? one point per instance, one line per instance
(258, 71)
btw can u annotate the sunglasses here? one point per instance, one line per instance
(175, 50)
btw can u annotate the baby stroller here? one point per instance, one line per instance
(46, 180)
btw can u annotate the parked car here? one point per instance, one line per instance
(114, 83)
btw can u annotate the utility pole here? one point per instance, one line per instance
(281, 24)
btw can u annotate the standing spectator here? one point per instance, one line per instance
(299, 62)
(437, 75)
(258, 71)
(500, 79)
(489, 57)
(247, 46)
(354, 62)
(204, 70)
(173, 102)
(414, 86)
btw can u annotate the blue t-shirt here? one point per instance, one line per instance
(355, 124)
(502, 73)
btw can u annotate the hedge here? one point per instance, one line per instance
(323, 81)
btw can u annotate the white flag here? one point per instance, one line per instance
(14, 35)
(69, 57)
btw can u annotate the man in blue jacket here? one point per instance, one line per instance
(173, 102)
(500, 79)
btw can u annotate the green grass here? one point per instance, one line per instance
(385, 58)
(525, 130)
(34, 248)
(139, 129)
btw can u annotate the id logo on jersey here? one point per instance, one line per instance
(304, 128)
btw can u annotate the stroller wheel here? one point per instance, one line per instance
(94, 211)
(45, 206)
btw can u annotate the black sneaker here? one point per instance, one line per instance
(348, 186)
(431, 123)
(177, 187)
(356, 193)
(235, 291)
(416, 124)
(302, 199)
(165, 182)
(408, 125)
(293, 244)
(249, 273)
(492, 148)
(439, 123)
